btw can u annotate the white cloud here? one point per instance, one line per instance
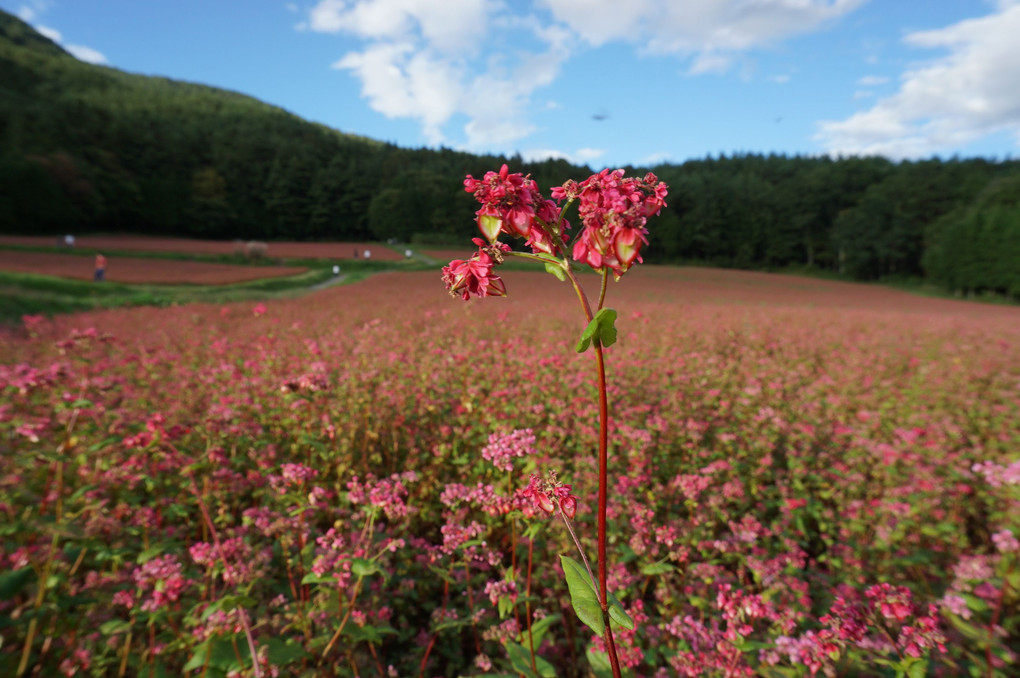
(422, 62)
(872, 80)
(51, 33)
(448, 26)
(710, 62)
(86, 54)
(863, 94)
(29, 13)
(655, 159)
(485, 60)
(969, 93)
(780, 79)
(581, 156)
(696, 26)
(31, 10)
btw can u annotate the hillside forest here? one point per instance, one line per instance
(91, 149)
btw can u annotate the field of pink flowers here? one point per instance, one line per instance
(807, 478)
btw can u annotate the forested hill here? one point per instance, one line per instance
(87, 148)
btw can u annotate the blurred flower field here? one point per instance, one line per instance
(809, 478)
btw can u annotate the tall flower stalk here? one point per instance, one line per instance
(613, 210)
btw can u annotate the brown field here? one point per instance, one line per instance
(130, 270)
(447, 255)
(276, 250)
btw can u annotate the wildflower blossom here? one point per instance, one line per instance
(548, 494)
(504, 447)
(1005, 541)
(473, 276)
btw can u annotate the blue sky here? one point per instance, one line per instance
(601, 82)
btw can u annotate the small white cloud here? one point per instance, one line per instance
(86, 54)
(31, 12)
(710, 63)
(872, 80)
(779, 79)
(863, 94)
(655, 159)
(948, 102)
(582, 156)
(51, 33)
(587, 154)
(291, 7)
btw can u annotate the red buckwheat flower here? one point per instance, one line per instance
(473, 276)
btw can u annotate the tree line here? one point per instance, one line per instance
(86, 148)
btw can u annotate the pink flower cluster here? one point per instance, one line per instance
(291, 476)
(387, 494)
(499, 588)
(503, 447)
(885, 607)
(997, 475)
(613, 208)
(512, 204)
(474, 276)
(548, 494)
(162, 580)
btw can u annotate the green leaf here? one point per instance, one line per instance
(919, 669)
(618, 614)
(504, 606)
(148, 554)
(12, 582)
(556, 270)
(599, 663)
(660, 567)
(282, 653)
(538, 630)
(520, 660)
(364, 567)
(227, 603)
(582, 595)
(198, 658)
(454, 624)
(442, 574)
(373, 634)
(752, 645)
(114, 627)
(312, 578)
(601, 329)
(970, 631)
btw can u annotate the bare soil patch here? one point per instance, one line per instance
(131, 270)
(274, 250)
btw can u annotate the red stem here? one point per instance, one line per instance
(527, 605)
(603, 471)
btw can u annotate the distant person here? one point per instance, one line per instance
(357, 253)
(100, 272)
(69, 241)
(368, 254)
(407, 254)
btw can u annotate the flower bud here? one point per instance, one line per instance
(543, 502)
(569, 506)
